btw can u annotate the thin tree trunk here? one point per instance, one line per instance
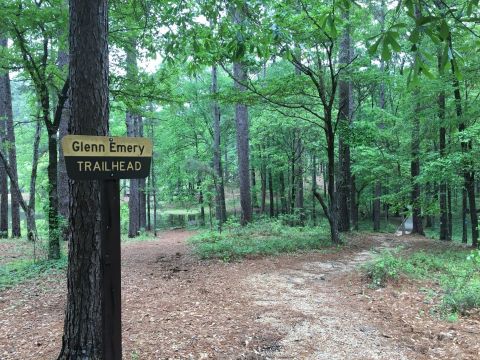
(283, 198)
(376, 205)
(53, 235)
(469, 171)
(270, 192)
(83, 337)
(131, 120)
(299, 198)
(62, 178)
(7, 114)
(314, 189)
(220, 207)
(3, 173)
(444, 226)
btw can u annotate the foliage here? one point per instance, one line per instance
(456, 271)
(259, 238)
(16, 272)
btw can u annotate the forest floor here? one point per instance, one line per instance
(313, 305)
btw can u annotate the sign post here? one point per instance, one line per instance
(108, 159)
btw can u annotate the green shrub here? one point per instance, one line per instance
(456, 271)
(21, 270)
(385, 266)
(260, 238)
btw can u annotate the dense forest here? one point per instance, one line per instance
(315, 120)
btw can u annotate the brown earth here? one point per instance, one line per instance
(302, 306)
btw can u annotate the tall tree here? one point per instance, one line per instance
(7, 113)
(3, 182)
(344, 181)
(220, 208)
(131, 120)
(88, 39)
(241, 121)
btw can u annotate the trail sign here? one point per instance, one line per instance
(108, 159)
(105, 157)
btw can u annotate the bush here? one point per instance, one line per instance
(261, 238)
(456, 271)
(385, 266)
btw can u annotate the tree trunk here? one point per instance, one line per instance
(220, 207)
(469, 170)
(376, 205)
(299, 197)
(62, 178)
(354, 204)
(142, 201)
(241, 120)
(314, 188)
(376, 209)
(283, 198)
(3, 174)
(263, 180)
(134, 193)
(270, 192)
(7, 114)
(444, 226)
(83, 337)
(344, 181)
(53, 235)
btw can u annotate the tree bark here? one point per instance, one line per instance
(83, 337)
(270, 192)
(241, 121)
(444, 228)
(62, 178)
(283, 198)
(469, 170)
(3, 172)
(131, 120)
(344, 181)
(7, 113)
(220, 208)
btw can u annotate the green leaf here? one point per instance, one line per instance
(425, 20)
(372, 50)
(444, 30)
(386, 52)
(414, 36)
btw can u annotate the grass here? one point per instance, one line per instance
(264, 237)
(457, 271)
(18, 271)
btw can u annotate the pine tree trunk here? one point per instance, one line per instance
(62, 178)
(220, 207)
(344, 180)
(241, 121)
(7, 114)
(314, 189)
(270, 192)
(444, 226)
(3, 172)
(83, 337)
(469, 170)
(376, 205)
(283, 198)
(53, 235)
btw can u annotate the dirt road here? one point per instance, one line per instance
(302, 306)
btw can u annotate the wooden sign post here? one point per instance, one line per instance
(108, 159)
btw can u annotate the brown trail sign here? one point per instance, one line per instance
(104, 157)
(109, 159)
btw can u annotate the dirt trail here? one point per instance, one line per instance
(301, 306)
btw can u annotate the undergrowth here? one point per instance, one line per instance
(456, 271)
(258, 238)
(16, 272)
